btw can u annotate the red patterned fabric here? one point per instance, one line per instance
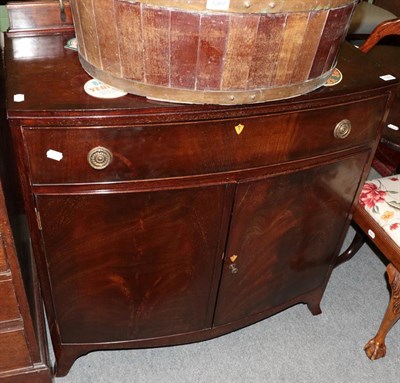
(381, 199)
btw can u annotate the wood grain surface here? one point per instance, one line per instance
(160, 51)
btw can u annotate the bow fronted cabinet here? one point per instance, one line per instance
(157, 224)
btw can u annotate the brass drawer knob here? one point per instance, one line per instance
(99, 158)
(342, 129)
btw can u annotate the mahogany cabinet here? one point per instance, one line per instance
(156, 224)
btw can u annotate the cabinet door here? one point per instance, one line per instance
(284, 233)
(133, 265)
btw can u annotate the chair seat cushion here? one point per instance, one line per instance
(367, 16)
(381, 199)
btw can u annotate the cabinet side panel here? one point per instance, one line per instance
(14, 352)
(3, 261)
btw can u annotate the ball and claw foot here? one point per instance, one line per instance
(375, 349)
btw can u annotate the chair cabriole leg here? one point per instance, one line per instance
(376, 347)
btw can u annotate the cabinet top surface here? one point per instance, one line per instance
(52, 81)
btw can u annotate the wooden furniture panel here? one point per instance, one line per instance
(153, 283)
(269, 260)
(186, 149)
(23, 357)
(14, 351)
(9, 307)
(3, 261)
(23, 353)
(132, 255)
(40, 16)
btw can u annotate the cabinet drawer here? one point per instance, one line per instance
(172, 150)
(9, 306)
(14, 352)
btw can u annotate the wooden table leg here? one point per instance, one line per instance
(376, 347)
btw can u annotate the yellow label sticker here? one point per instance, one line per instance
(239, 128)
(233, 258)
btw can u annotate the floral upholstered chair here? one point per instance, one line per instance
(381, 200)
(377, 216)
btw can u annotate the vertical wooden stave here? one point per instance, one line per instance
(156, 38)
(311, 41)
(184, 48)
(239, 51)
(78, 29)
(293, 37)
(266, 52)
(89, 31)
(107, 35)
(128, 16)
(342, 28)
(328, 37)
(212, 45)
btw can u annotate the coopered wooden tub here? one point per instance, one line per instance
(211, 51)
